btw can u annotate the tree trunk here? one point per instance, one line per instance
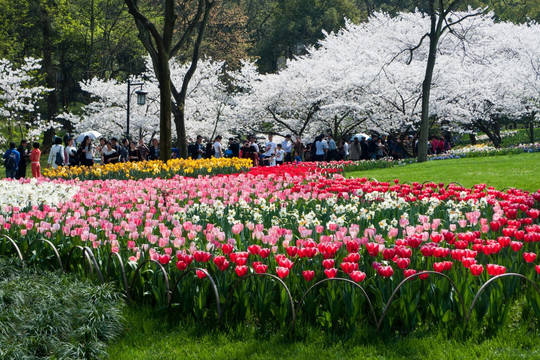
(180, 123)
(473, 139)
(164, 78)
(50, 73)
(426, 87)
(531, 131)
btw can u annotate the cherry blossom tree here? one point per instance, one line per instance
(370, 76)
(19, 92)
(207, 103)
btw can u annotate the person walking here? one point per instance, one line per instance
(299, 147)
(23, 152)
(355, 150)
(11, 161)
(287, 147)
(153, 153)
(218, 151)
(56, 155)
(86, 152)
(35, 155)
(71, 153)
(321, 148)
(331, 154)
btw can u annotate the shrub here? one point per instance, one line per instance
(54, 315)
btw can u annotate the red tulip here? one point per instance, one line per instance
(260, 268)
(494, 269)
(181, 265)
(427, 250)
(328, 263)
(409, 272)
(284, 262)
(202, 256)
(241, 270)
(264, 252)
(352, 257)
(423, 276)
(226, 248)
(353, 246)
(201, 274)
(282, 272)
(403, 263)
(164, 259)
(373, 249)
(385, 271)
(291, 251)
(468, 262)
(331, 273)
(495, 225)
(308, 274)
(254, 249)
(357, 276)
(537, 267)
(516, 245)
(349, 267)
(476, 269)
(438, 266)
(388, 253)
(529, 257)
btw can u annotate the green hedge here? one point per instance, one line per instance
(55, 316)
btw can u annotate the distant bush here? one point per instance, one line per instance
(54, 315)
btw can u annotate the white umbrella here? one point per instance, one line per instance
(92, 134)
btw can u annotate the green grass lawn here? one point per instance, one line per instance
(152, 336)
(519, 171)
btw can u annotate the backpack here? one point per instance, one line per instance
(58, 160)
(11, 161)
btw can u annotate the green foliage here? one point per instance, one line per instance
(519, 171)
(52, 315)
(154, 335)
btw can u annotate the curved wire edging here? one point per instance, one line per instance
(56, 253)
(487, 283)
(273, 277)
(122, 268)
(165, 277)
(87, 252)
(454, 183)
(216, 292)
(16, 248)
(404, 281)
(300, 304)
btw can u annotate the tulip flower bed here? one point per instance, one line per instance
(482, 150)
(144, 169)
(281, 243)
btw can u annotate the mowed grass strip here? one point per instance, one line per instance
(154, 336)
(518, 171)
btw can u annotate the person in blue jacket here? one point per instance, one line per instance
(12, 158)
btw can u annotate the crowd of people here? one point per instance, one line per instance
(110, 151)
(323, 148)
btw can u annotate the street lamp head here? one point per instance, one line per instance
(141, 97)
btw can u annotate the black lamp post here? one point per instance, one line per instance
(141, 99)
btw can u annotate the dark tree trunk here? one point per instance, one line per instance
(164, 78)
(50, 73)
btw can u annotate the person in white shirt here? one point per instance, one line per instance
(218, 152)
(346, 149)
(321, 148)
(56, 148)
(71, 153)
(270, 149)
(280, 155)
(287, 147)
